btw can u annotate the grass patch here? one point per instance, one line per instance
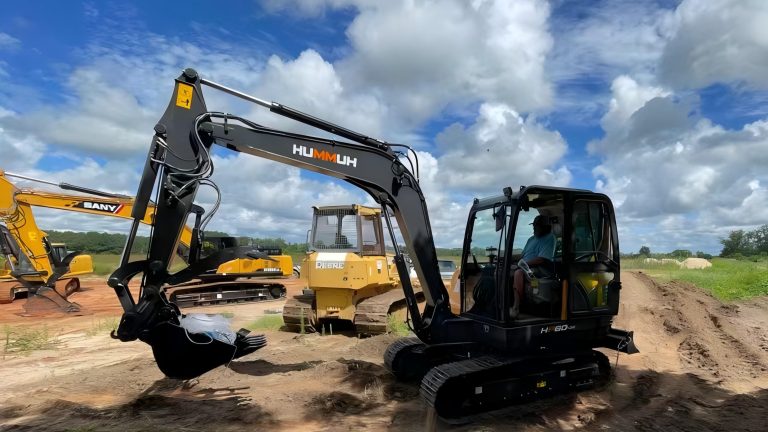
(26, 340)
(396, 325)
(727, 279)
(105, 264)
(103, 326)
(267, 322)
(227, 314)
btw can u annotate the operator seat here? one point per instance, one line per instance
(342, 242)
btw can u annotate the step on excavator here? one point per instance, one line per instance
(253, 277)
(350, 278)
(498, 350)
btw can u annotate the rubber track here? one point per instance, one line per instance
(396, 348)
(191, 289)
(489, 369)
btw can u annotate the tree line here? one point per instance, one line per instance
(104, 243)
(738, 244)
(746, 243)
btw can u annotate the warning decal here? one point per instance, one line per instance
(184, 96)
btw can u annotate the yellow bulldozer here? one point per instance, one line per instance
(350, 277)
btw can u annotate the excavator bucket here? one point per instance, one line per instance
(43, 300)
(181, 354)
(52, 296)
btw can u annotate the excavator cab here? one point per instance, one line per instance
(578, 277)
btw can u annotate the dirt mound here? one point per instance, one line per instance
(695, 263)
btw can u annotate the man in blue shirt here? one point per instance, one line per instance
(539, 250)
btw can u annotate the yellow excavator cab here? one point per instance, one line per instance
(80, 265)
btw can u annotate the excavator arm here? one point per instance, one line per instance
(179, 160)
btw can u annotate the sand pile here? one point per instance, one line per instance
(695, 263)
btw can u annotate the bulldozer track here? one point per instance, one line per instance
(299, 313)
(371, 314)
(7, 290)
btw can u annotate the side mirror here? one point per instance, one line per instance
(499, 218)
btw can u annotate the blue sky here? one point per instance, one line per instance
(659, 104)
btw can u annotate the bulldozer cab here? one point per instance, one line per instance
(353, 228)
(579, 277)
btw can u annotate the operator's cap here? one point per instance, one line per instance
(540, 220)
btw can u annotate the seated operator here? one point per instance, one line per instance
(539, 250)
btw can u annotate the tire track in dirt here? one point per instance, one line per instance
(701, 366)
(710, 341)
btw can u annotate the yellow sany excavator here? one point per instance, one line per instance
(40, 265)
(32, 264)
(350, 277)
(35, 259)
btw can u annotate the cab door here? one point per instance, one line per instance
(593, 253)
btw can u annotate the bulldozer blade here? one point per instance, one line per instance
(183, 355)
(44, 300)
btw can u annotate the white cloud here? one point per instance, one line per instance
(426, 56)
(663, 161)
(601, 41)
(597, 41)
(8, 42)
(103, 119)
(108, 112)
(501, 149)
(312, 85)
(628, 97)
(717, 41)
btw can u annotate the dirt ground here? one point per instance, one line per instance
(703, 366)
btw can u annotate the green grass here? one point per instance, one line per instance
(105, 264)
(25, 340)
(397, 326)
(103, 326)
(727, 279)
(267, 322)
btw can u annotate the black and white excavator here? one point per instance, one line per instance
(499, 348)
